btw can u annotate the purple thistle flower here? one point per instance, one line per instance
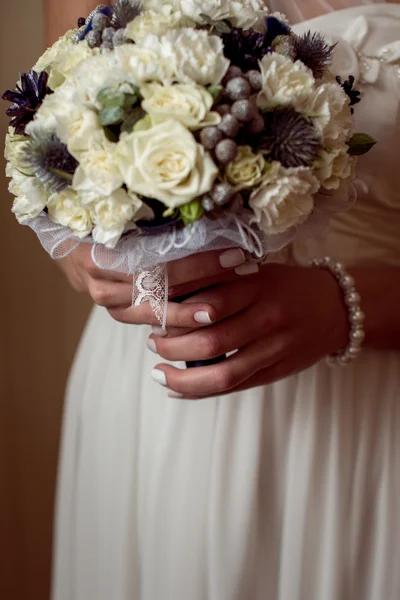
(314, 51)
(289, 138)
(26, 99)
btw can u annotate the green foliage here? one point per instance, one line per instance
(191, 212)
(360, 143)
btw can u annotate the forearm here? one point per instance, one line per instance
(379, 288)
(62, 16)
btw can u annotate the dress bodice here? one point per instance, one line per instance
(369, 48)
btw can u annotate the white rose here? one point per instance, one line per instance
(166, 163)
(331, 105)
(151, 22)
(143, 62)
(98, 174)
(31, 196)
(112, 215)
(248, 169)
(285, 200)
(189, 104)
(284, 82)
(77, 127)
(65, 208)
(194, 56)
(333, 166)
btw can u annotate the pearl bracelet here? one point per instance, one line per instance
(356, 316)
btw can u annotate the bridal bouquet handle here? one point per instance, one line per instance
(156, 132)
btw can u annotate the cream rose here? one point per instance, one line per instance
(166, 163)
(248, 169)
(98, 174)
(194, 56)
(333, 117)
(31, 196)
(189, 104)
(112, 215)
(333, 166)
(285, 200)
(152, 22)
(284, 82)
(65, 208)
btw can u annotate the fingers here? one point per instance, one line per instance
(208, 342)
(204, 265)
(110, 294)
(189, 315)
(223, 377)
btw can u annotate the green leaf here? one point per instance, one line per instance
(143, 124)
(61, 174)
(216, 92)
(191, 212)
(111, 115)
(132, 119)
(108, 97)
(222, 27)
(360, 143)
(129, 100)
(206, 19)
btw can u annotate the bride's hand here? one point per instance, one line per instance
(284, 320)
(114, 290)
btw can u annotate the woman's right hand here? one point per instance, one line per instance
(114, 290)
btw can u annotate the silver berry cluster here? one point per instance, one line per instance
(103, 33)
(239, 112)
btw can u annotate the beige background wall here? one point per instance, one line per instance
(40, 323)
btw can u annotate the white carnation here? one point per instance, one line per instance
(241, 13)
(61, 58)
(285, 200)
(143, 62)
(98, 174)
(333, 118)
(152, 22)
(99, 72)
(284, 82)
(31, 196)
(66, 208)
(194, 56)
(166, 163)
(112, 215)
(333, 166)
(187, 103)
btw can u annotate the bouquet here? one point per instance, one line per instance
(155, 130)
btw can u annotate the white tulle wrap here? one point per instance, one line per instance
(146, 255)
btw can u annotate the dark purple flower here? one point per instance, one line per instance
(245, 48)
(289, 138)
(314, 51)
(354, 95)
(26, 99)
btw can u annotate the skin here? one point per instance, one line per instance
(281, 319)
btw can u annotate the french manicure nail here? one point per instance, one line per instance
(152, 345)
(172, 394)
(247, 269)
(202, 317)
(232, 258)
(159, 331)
(159, 377)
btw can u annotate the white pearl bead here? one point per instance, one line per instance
(352, 299)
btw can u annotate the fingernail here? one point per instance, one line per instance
(247, 269)
(159, 377)
(172, 394)
(202, 317)
(232, 258)
(152, 345)
(159, 331)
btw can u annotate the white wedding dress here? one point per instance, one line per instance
(284, 492)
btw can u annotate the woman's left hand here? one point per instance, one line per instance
(285, 319)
